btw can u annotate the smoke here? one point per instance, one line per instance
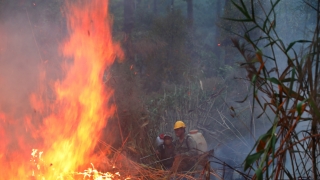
(28, 47)
(18, 64)
(28, 58)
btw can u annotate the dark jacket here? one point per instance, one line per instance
(166, 152)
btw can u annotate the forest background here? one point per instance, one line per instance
(180, 64)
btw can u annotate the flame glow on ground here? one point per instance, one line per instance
(71, 125)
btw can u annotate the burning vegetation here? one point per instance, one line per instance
(67, 128)
(67, 113)
(58, 135)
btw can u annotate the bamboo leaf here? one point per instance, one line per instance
(274, 22)
(267, 18)
(291, 93)
(294, 42)
(288, 80)
(263, 140)
(284, 73)
(273, 144)
(245, 10)
(265, 24)
(292, 77)
(281, 43)
(261, 145)
(310, 5)
(252, 12)
(266, 136)
(242, 9)
(251, 159)
(270, 44)
(251, 29)
(238, 20)
(259, 174)
(300, 107)
(274, 80)
(254, 78)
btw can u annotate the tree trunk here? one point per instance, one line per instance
(190, 13)
(128, 15)
(128, 24)
(172, 4)
(155, 7)
(218, 41)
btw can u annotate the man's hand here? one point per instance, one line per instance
(179, 156)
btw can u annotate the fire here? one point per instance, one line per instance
(71, 124)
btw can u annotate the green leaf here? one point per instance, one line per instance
(238, 20)
(245, 10)
(294, 42)
(281, 43)
(259, 174)
(299, 107)
(270, 44)
(253, 28)
(266, 135)
(265, 24)
(252, 12)
(288, 80)
(254, 78)
(274, 80)
(251, 159)
(274, 21)
(271, 41)
(242, 9)
(267, 18)
(292, 77)
(273, 143)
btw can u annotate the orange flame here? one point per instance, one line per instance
(81, 105)
(71, 129)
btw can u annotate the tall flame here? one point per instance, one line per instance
(73, 131)
(81, 110)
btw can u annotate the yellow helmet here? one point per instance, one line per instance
(179, 124)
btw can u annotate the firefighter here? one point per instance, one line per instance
(185, 148)
(165, 151)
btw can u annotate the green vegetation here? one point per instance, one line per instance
(284, 78)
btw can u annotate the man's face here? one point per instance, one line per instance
(167, 140)
(179, 132)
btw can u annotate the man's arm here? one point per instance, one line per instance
(192, 147)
